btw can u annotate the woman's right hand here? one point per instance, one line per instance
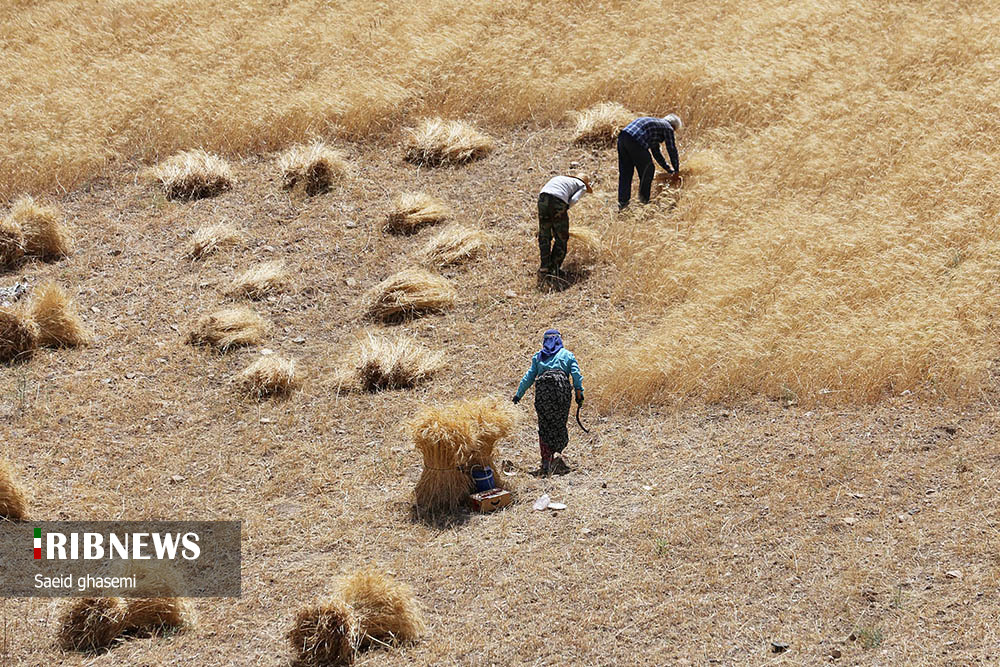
(516, 399)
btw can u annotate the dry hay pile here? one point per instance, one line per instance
(193, 174)
(13, 502)
(11, 243)
(92, 624)
(585, 246)
(388, 361)
(210, 238)
(413, 210)
(58, 323)
(37, 228)
(161, 610)
(408, 293)
(455, 244)
(601, 123)
(439, 436)
(453, 438)
(229, 327)
(315, 167)
(325, 634)
(260, 281)
(269, 376)
(489, 421)
(439, 142)
(18, 336)
(385, 609)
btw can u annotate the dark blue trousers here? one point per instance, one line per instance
(633, 157)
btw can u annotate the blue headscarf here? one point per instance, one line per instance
(551, 343)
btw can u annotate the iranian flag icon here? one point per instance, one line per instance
(38, 543)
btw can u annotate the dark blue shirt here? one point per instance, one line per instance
(651, 132)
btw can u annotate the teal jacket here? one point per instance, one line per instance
(562, 360)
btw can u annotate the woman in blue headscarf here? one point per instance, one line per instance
(551, 370)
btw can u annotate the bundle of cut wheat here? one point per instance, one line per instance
(585, 246)
(13, 502)
(209, 239)
(259, 281)
(58, 323)
(161, 609)
(325, 634)
(489, 421)
(11, 243)
(601, 123)
(269, 376)
(92, 624)
(385, 609)
(455, 244)
(388, 361)
(194, 174)
(437, 142)
(407, 293)
(18, 336)
(413, 210)
(315, 167)
(42, 232)
(228, 328)
(438, 435)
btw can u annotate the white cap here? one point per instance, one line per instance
(674, 120)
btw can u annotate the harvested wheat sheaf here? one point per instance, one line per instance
(315, 167)
(325, 634)
(413, 210)
(11, 243)
(269, 376)
(58, 323)
(388, 361)
(92, 624)
(585, 246)
(601, 123)
(194, 174)
(455, 244)
(408, 293)
(42, 229)
(13, 502)
(440, 142)
(438, 436)
(18, 336)
(209, 239)
(260, 281)
(229, 327)
(161, 610)
(489, 420)
(385, 609)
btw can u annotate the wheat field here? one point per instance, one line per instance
(791, 350)
(839, 243)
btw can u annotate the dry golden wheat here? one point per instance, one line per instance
(229, 327)
(13, 502)
(385, 609)
(601, 123)
(193, 174)
(435, 141)
(54, 312)
(413, 210)
(42, 229)
(408, 293)
(269, 376)
(314, 167)
(325, 634)
(207, 240)
(455, 244)
(260, 281)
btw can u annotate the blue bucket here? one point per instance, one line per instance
(483, 477)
